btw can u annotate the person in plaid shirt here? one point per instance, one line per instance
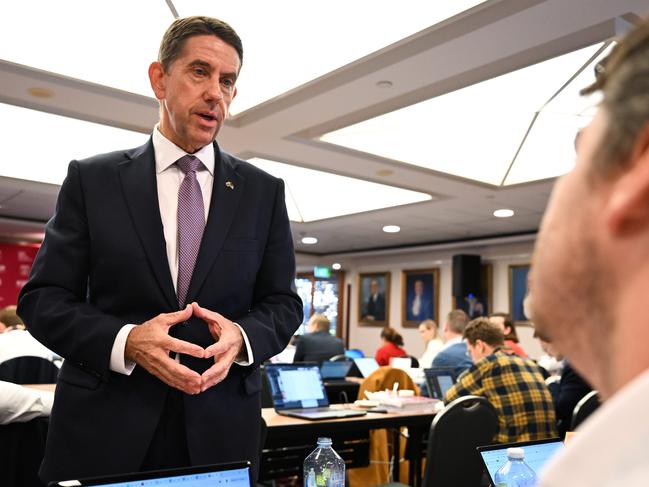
(513, 385)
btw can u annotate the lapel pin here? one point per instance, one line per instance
(229, 184)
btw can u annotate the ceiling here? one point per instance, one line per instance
(488, 40)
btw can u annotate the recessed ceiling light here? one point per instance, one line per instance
(391, 229)
(336, 266)
(384, 84)
(503, 213)
(309, 240)
(40, 92)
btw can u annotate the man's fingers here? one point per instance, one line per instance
(176, 317)
(173, 373)
(181, 346)
(205, 314)
(215, 374)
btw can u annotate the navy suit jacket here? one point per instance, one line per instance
(103, 264)
(454, 356)
(317, 347)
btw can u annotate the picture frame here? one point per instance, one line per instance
(374, 298)
(425, 284)
(517, 291)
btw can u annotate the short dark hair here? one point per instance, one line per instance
(509, 323)
(457, 320)
(180, 30)
(391, 335)
(623, 79)
(483, 329)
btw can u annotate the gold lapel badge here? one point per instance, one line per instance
(229, 184)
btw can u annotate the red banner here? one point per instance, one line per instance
(15, 264)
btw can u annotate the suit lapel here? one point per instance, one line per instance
(226, 196)
(139, 186)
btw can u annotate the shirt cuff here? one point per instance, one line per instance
(118, 362)
(244, 358)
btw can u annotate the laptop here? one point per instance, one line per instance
(366, 365)
(298, 391)
(439, 380)
(335, 371)
(537, 454)
(225, 475)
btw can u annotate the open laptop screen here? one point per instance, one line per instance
(335, 370)
(439, 380)
(296, 386)
(225, 475)
(537, 454)
(366, 365)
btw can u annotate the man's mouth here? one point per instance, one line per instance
(207, 116)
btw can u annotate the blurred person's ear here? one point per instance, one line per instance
(627, 208)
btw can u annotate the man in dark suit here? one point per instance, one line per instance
(375, 304)
(419, 307)
(165, 278)
(318, 344)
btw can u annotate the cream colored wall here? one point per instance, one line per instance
(367, 337)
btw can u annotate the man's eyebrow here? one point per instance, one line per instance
(201, 63)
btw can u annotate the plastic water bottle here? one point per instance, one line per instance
(515, 472)
(324, 467)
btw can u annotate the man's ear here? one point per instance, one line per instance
(157, 79)
(627, 209)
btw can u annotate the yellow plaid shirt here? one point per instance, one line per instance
(517, 390)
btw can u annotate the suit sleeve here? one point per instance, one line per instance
(53, 304)
(277, 309)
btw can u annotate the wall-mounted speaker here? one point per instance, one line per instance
(466, 275)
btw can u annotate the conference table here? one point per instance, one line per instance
(295, 436)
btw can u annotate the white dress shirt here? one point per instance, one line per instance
(20, 343)
(19, 404)
(610, 448)
(168, 179)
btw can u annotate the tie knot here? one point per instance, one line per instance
(188, 163)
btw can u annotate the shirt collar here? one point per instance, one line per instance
(167, 153)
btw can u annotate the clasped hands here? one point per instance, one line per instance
(149, 345)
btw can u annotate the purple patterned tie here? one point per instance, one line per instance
(191, 223)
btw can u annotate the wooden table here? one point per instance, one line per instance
(286, 431)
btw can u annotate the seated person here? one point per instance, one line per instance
(430, 334)
(514, 386)
(318, 345)
(454, 354)
(504, 321)
(19, 404)
(571, 388)
(16, 341)
(392, 343)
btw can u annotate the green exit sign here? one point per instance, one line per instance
(321, 272)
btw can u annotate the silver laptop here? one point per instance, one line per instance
(225, 474)
(298, 391)
(537, 454)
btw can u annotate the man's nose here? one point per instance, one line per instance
(213, 91)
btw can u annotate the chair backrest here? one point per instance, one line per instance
(29, 370)
(455, 433)
(354, 353)
(339, 358)
(385, 378)
(584, 408)
(266, 393)
(414, 363)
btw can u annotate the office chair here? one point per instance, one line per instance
(29, 370)
(266, 393)
(339, 358)
(455, 433)
(584, 408)
(414, 363)
(354, 353)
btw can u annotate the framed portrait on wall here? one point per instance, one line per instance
(419, 296)
(518, 291)
(374, 298)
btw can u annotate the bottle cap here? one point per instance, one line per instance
(516, 453)
(324, 441)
